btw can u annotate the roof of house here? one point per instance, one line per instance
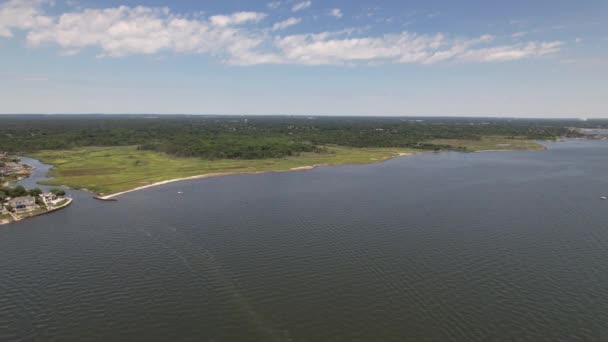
(22, 199)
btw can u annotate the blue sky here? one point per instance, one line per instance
(531, 58)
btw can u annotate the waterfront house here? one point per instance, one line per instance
(23, 203)
(48, 196)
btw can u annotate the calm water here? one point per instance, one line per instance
(437, 247)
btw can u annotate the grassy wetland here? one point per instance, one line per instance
(490, 143)
(107, 170)
(106, 154)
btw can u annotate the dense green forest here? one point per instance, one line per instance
(255, 137)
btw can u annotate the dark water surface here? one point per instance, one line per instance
(437, 247)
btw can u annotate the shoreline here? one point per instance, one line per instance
(113, 196)
(222, 174)
(533, 150)
(69, 201)
(207, 175)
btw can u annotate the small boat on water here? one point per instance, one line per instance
(603, 198)
(180, 192)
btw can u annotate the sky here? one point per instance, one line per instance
(517, 58)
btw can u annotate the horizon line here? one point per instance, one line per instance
(580, 118)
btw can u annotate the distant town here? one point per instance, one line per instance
(18, 203)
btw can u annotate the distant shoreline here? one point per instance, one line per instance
(222, 174)
(299, 168)
(112, 196)
(513, 150)
(208, 175)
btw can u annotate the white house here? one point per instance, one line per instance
(23, 203)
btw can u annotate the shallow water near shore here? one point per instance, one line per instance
(447, 246)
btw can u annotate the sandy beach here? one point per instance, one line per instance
(208, 175)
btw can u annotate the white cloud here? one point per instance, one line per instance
(301, 6)
(286, 23)
(325, 48)
(21, 15)
(122, 31)
(117, 31)
(336, 12)
(510, 52)
(236, 18)
(455, 49)
(125, 31)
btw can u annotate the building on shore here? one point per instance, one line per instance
(51, 199)
(48, 197)
(23, 203)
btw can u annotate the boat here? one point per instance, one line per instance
(604, 198)
(180, 192)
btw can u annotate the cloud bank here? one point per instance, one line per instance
(243, 38)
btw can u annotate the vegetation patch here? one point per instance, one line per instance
(490, 143)
(89, 152)
(257, 137)
(110, 170)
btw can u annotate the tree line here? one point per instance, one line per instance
(257, 137)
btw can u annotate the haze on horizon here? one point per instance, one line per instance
(311, 57)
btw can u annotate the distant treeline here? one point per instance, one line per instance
(258, 136)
